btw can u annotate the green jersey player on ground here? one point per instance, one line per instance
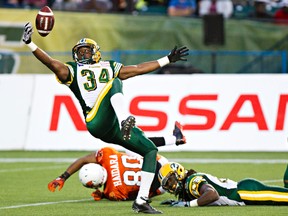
(200, 189)
(98, 87)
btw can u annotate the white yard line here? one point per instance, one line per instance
(44, 203)
(182, 160)
(32, 168)
(228, 160)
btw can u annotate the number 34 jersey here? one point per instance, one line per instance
(87, 81)
(123, 174)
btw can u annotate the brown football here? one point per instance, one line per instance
(45, 21)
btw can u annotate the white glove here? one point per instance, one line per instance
(180, 204)
(28, 31)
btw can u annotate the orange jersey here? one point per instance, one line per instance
(123, 174)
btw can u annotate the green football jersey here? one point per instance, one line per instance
(225, 187)
(87, 81)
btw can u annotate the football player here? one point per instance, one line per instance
(200, 189)
(123, 170)
(97, 85)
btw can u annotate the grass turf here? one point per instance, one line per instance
(24, 185)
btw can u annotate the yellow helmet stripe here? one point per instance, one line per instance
(102, 94)
(263, 195)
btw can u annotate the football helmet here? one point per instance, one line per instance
(95, 50)
(170, 176)
(92, 175)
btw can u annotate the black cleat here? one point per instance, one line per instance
(178, 133)
(145, 207)
(126, 127)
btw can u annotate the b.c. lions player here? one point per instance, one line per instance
(200, 189)
(121, 179)
(98, 87)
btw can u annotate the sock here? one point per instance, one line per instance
(118, 104)
(170, 140)
(158, 141)
(163, 141)
(146, 181)
(285, 179)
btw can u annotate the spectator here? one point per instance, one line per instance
(102, 6)
(68, 5)
(260, 12)
(181, 7)
(35, 3)
(281, 15)
(12, 3)
(224, 7)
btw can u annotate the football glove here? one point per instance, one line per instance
(58, 182)
(28, 31)
(97, 195)
(178, 54)
(180, 204)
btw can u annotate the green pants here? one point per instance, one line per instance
(103, 124)
(253, 192)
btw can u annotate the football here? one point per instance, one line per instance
(45, 21)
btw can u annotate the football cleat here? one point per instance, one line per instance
(126, 127)
(145, 207)
(178, 133)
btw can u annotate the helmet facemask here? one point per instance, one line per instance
(95, 51)
(171, 183)
(170, 176)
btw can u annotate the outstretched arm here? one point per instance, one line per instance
(146, 67)
(208, 195)
(60, 69)
(74, 167)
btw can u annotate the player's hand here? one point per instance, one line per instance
(178, 54)
(97, 195)
(28, 31)
(180, 204)
(58, 182)
(168, 202)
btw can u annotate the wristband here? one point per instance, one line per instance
(65, 175)
(193, 203)
(32, 46)
(163, 61)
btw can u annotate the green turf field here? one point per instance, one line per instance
(24, 183)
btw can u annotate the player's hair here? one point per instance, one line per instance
(190, 172)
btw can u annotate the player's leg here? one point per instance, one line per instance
(118, 103)
(103, 123)
(141, 145)
(103, 119)
(253, 192)
(285, 179)
(177, 138)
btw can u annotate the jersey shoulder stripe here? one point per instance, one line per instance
(116, 67)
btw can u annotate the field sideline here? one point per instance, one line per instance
(25, 174)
